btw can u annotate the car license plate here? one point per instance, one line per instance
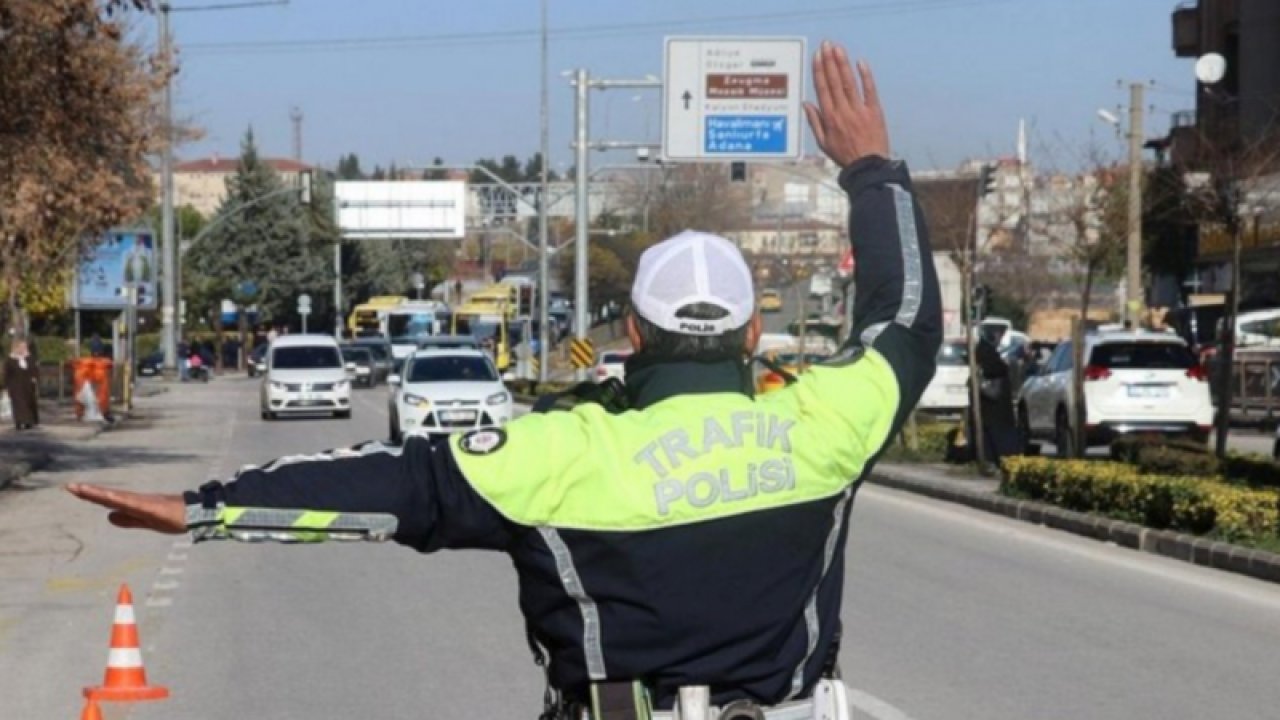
(1148, 391)
(457, 415)
(309, 397)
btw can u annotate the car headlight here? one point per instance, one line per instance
(415, 400)
(341, 385)
(497, 398)
(277, 386)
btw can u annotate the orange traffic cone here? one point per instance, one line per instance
(126, 679)
(91, 711)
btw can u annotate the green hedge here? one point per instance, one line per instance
(1192, 505)
(933, 438)
(1183, 457)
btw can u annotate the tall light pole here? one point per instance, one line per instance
(544, 196)
(582, 215)
(168, 253)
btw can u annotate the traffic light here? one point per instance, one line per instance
(986, 181)
(737, 172)
(979, 297)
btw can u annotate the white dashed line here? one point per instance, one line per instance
(874, 706)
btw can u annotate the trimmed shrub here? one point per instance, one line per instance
(1252, 470)
(1192, 505)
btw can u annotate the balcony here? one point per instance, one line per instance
(1186, 31)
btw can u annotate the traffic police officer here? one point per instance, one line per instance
(695, 539)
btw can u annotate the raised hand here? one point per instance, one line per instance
(848, 121)
(161, 513)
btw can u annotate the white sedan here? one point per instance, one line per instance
(447, 391)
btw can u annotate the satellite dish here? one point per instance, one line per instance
(1211, 68)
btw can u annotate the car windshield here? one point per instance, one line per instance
(379, 351)
(1143, 356)
(359, 356)
(305, 357)
(793, 359)
(447, 344)
(452, 368)
(953, 354)
(409, 328)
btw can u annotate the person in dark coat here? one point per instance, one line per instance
(21, 382)
(995, 397)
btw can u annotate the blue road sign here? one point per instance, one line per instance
(745, 134)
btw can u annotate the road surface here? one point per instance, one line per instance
(948, 613)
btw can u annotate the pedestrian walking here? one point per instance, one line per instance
(22, 384)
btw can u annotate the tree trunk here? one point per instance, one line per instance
(243, 356)
(1087, 294)
(216, 317)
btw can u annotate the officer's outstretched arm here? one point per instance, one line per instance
(413, 494)
(897, 310)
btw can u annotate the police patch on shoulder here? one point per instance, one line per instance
(483, 442)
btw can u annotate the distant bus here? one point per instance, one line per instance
(412, 320)
(367, 320)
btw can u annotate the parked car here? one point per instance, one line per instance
(359, 365)
(449, 342)
(447, 391)
(305, 374)
(383, 362)
(949, 389)
(611, 364)
(151, 365)
(1134, 383)
(258, 360)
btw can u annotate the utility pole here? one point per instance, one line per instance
(295, 116)
(544, 196)
(1133, 282)
(582, 214)
(168, 253)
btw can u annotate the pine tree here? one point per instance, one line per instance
(268, 239)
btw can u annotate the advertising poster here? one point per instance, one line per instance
(110, 263)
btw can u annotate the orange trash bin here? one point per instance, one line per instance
(98, 372)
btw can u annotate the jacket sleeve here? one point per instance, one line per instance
(412, 494)
(897, 305)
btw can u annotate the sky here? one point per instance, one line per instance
(406, 80)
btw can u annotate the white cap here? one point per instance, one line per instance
(693, 267)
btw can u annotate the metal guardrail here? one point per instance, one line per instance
(1256, 378)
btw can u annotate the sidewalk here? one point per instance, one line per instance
(951, 484)
(22, 453)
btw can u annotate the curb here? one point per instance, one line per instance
(1258, 564)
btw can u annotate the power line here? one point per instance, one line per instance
(227, 5)
(392, 42)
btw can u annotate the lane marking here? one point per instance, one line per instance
(1202, 578)
(159, 601)
(874, 706)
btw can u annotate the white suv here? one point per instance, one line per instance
(447, 391)
(305, 374)
(1134, 383)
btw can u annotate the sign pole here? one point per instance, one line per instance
(583, 216)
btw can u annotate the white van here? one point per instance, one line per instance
(305, 374)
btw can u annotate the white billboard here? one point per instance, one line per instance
(415, 210)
